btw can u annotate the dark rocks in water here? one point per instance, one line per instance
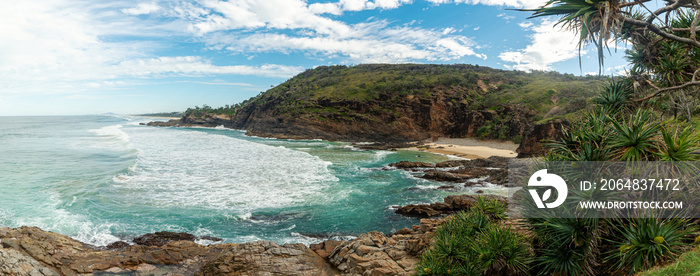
(494, 168)
(382, 145)
(498, 176)
(210, 238)
(447, 187)
(480, 192)
(491, 162)
(446, 176)
(450, 204)
(450, 164)
(412, 165)
(118, 245)
(534, 135)
(206, 120)
(276, 217)
(170, 123)
(418, 210)
(162, 238)
(441, 206)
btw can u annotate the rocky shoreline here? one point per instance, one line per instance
(32, 251)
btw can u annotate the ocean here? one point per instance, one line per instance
(101, 179)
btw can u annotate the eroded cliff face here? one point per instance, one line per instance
(443, 114)
(536, 136)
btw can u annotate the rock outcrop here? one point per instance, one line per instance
(162, 238)
(267, 258)
(493, 168)
(374, 253)
(450, 204)
(534, 136)
(205, 120)
(32, 251)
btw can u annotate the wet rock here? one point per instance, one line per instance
(162, 238)
(170, 123)
(446, 176)
(449, 205)
(447, 188)
(392, 146)
(412, 165)
(441, 206)
(450, 163)
(210, 238)
(418, 210)
(118, 245)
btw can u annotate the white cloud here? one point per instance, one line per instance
(477, 28)
(525, 24)
(528, 4)
(505, 16)
(291, 25)
(549, 45)
(321, 8)
(58, 47)
(447, 31)
(192, 66)
(142, 8)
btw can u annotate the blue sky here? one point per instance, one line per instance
(72, 57)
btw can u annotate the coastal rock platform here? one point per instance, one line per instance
(32, 251)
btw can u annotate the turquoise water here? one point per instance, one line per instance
(102, 179)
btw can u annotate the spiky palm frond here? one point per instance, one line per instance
(679, 146)
(596, 21)
(644, 242)
(636, 138)
(614, 96)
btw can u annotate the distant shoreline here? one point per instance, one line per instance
(157, 117)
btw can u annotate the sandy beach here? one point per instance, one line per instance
(470, 148)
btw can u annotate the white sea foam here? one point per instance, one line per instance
(288, 228)
(245, 216)
(112, 131)
(111, 137)
(178, 167)
(380, 155)
(56, 219)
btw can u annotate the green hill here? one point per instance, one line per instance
(399, 102)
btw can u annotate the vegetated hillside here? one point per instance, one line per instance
(382, 102)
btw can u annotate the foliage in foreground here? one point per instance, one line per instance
(615, 130)
(474, 243)
(644, 242)
(686, 264)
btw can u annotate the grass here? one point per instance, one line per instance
(687, 264)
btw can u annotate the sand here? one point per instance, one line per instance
(469, 148)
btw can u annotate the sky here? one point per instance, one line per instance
(74, 57)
